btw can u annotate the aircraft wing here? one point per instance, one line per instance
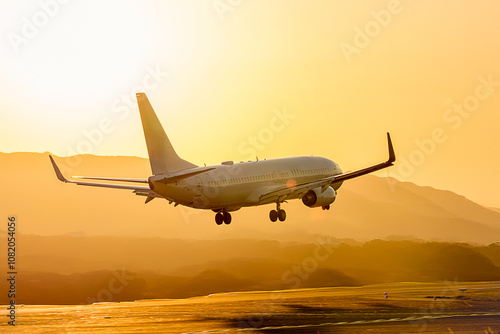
(138, 190)
(283, 192)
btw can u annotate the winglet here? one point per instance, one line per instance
(56, 169)
(392, 156)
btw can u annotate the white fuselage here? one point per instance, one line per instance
(229, 186)
(235, 185)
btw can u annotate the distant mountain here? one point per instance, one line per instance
(366, 208)
(75, 270)
(495, 209)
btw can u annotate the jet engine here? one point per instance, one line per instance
(315, 198)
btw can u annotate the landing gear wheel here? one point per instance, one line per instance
(227, 218)
(273, 215)
(219, 218)
(281, 215)
(326, 207)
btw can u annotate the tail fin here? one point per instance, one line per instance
(162, 155)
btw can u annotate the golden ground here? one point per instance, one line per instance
(445, 307)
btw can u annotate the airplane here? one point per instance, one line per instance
(229, 186)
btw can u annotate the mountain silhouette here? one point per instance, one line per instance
(366, 208)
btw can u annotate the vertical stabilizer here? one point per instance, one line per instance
(162, 155)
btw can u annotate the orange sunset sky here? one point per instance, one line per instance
(235, 79)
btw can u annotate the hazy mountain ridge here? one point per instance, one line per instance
(210, 266)
(495, 209)
(366, 208)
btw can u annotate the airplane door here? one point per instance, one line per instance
(278, 176)
(199, 186)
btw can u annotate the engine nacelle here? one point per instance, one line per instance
(315, 198)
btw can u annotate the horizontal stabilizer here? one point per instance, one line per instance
(178, 176)
(60, 176)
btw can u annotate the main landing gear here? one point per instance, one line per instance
(279, 213)
(223, 217)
